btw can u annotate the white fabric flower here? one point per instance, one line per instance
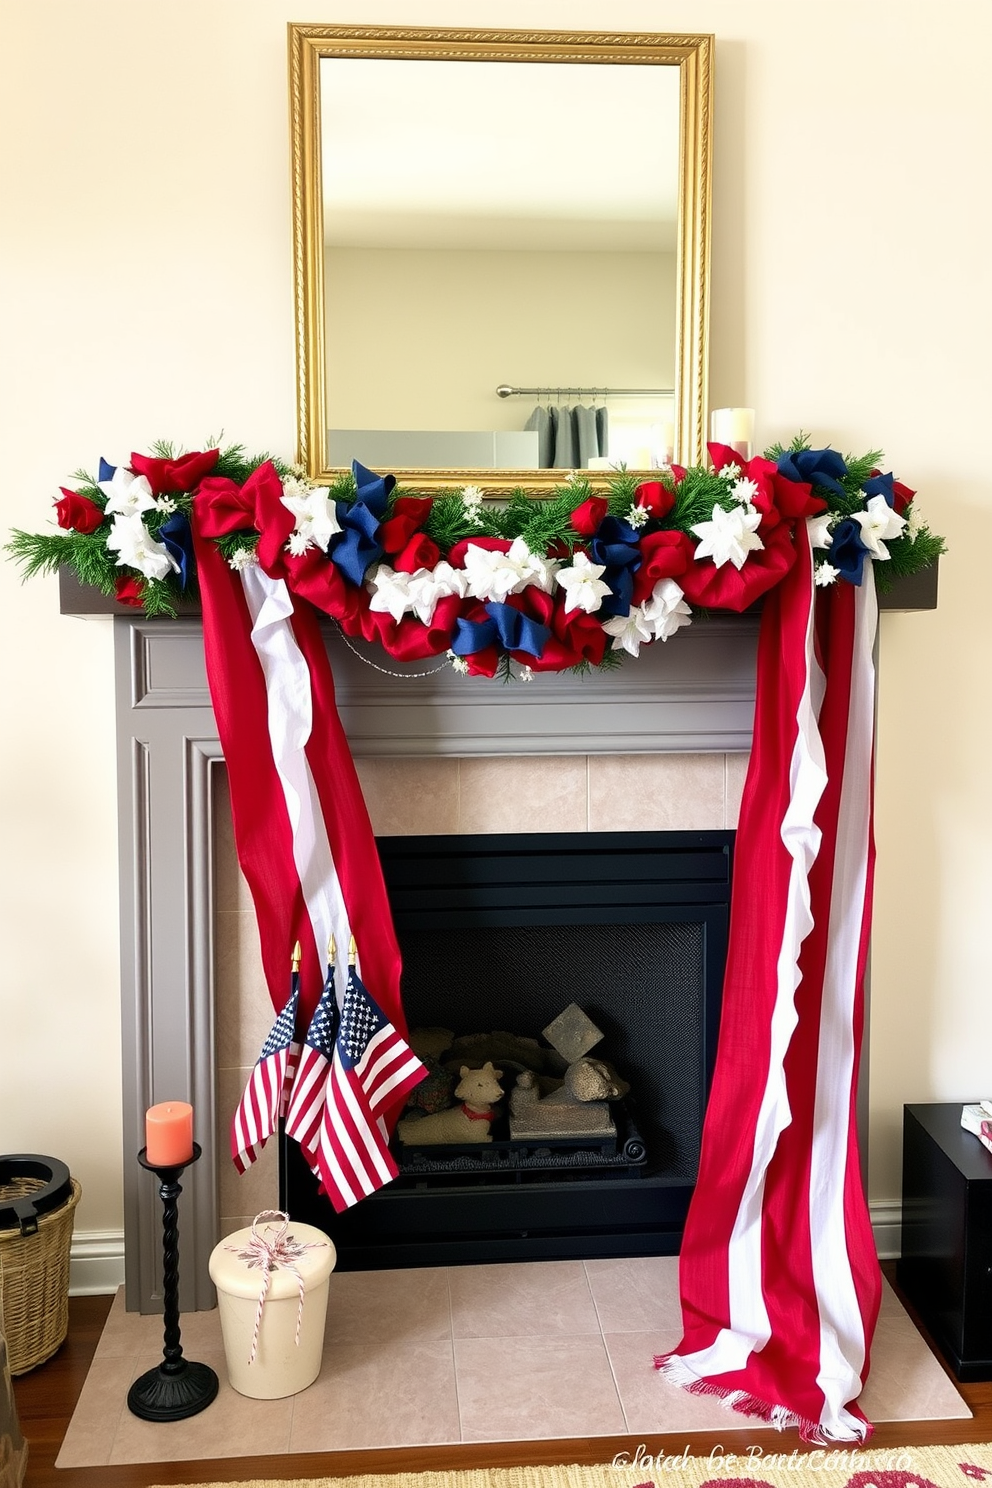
(630, 631)
(391, 594)
(744, 490)
(242, 559)
(583, 585)
(638, 515)
(826, 574)
(429, 585)
(315, 514)
(818, 528)
(493, 575)
(729, 472)
(525, 674)
(458, 664)
(165, 504)
(730, 536)
(878, 521)
(136, 548)
(666, 611)
(126, 493)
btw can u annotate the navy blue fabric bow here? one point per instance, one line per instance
(354, 549)
(847, 551)
(615, 547)
(880, 485)
(513, 631)
(175, 534)
(820, 467)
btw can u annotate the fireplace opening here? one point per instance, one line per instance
(503, 934)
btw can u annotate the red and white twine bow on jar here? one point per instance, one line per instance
(267, 1255)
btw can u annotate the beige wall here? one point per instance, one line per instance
(421, 339)
(148, 293)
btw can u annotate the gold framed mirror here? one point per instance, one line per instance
(501, 251)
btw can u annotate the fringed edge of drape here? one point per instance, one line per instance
(779, 1417)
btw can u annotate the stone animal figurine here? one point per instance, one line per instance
(478, 1090)
(579, 1106)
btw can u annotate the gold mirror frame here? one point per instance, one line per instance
(692, 54)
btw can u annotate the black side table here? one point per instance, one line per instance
(946, 1263)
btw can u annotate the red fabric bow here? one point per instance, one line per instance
(730, 588)
(409, 513)
(166, 477)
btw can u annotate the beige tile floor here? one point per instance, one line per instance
(531, 1351)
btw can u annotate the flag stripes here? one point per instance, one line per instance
(778, 1273)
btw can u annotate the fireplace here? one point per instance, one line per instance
(504, 932)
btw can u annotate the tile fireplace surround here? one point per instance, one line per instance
(661, 745)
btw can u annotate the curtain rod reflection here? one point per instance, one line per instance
(505, 391)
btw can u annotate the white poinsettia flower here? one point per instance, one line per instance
(496, 575)
(630, 632)
(818, 528)
(730, 536)
(638, 515)
(429, 585)
(126, 493)
(826, 574)
(136, 548)
(744, 490)
(666, 611)
(315, 514)
(481, 572)
(390, 592)
(583, 584)
(878, 521)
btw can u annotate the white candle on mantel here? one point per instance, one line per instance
(733, 426)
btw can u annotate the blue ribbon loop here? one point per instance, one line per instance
(106, 471)
(506, 625)
(177, 539)
(615, 547)
(354, 549)
(821, 467)
(880, 485)
(847, 551)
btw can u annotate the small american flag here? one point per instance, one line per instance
(372, 1069)
(306, 1102)
(267, 1092)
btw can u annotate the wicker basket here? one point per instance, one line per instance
(34, 1279)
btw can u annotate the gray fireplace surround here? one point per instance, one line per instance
(695, 694)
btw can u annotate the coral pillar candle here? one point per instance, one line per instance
(169, 1134)
(733, 426)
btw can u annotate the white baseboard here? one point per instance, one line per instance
(96, 1262)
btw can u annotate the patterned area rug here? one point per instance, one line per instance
(889, 1467)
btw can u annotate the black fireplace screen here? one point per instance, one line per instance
(504, 932)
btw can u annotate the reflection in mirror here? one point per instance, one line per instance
(495, 271)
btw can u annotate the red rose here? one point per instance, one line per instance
(666, 555)
(419, 552)
(78, 513)
(166, 477)
(656, 499)
(129, 592)
(409, 513)
(587, 517)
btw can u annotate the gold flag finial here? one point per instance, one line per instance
(352, 952)
(297, 956)
(332, 951)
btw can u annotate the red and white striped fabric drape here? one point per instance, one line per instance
(302, 832)
(779, 1278)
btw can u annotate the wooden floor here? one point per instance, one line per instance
(46, 1397)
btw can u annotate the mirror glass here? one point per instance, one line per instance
(501, 265)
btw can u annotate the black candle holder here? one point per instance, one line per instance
(177, 1388)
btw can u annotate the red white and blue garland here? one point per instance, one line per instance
(779, 1279)
(579, 579)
